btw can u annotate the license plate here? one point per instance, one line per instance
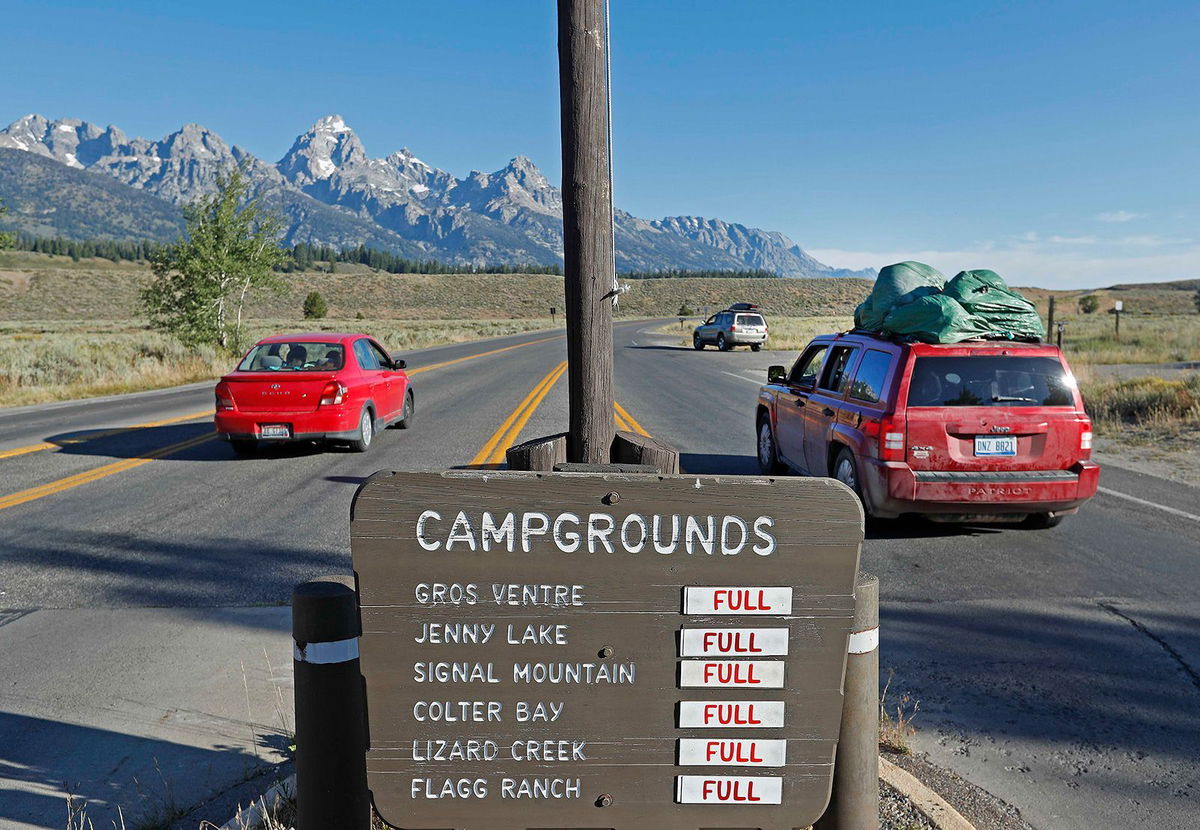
(275, 431)
(995, 445)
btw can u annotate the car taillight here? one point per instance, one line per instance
(224, 396)
(733, 327)
(1085, 436)
(891, 438)
(333, 393)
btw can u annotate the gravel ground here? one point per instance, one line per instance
(897, 813)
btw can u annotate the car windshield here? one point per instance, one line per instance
(294, 356)
(750, 320)
(990, 380)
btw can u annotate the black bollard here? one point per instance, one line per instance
(331, 714)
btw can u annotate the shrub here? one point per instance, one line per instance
(314, 306)
(1089, 303)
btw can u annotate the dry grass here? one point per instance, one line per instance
(896, 726)
(64, 360)
(1145, 408)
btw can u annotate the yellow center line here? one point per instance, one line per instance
(95, 436)
(99, 472)
(430, 368)
(622, 415)
(493, 451)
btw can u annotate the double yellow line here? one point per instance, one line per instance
(97, 473)
(494, 450)
(626, 421)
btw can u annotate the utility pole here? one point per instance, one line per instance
(590, 269)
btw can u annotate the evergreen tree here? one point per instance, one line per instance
(7, 240)
(201, 282)
(314, 306)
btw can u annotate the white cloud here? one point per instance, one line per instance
(1073, 240)
(1032, 265)
(1153, 240)
(1118, 216)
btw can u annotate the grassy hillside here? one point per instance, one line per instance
(40, 287)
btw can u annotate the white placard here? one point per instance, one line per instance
(737, 599)
(741, 674)
(732, 752)
(728, 789)
(733, 642)
(730, 714)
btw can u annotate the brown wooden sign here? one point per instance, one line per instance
(603, 651)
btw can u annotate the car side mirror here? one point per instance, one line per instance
(776, 374)
(399, 364)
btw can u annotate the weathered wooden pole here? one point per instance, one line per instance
(587, 227)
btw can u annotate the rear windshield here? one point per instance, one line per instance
(300, 356)
(990, 380)
(750, 320)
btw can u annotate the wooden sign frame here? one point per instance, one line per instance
(523, 637)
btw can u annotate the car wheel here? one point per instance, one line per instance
(755, 347)
(1043, 521)
(722, 345)
(244, 446)
(845, 470)
(366, 431)
(697, 343)
(410, 410)
(768, 455)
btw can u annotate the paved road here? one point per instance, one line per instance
(146, 620)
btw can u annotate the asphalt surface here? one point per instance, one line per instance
(144, 657)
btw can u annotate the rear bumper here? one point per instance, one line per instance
(746, 339)
(327, 425)
(892, 488)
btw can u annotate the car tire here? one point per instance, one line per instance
(697, 343)
(366, 431)
(244, 447)
(408, 413)
(756, 347)
(845, 470)
(768, 453)
(722, 344)
(1043, 521)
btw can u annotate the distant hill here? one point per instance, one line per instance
(1176, 285)
(45, 198)
(331, 192)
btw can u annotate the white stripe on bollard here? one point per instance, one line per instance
(340, 651)
(864, 642)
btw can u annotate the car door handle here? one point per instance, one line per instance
(827, 412)
(800, 401)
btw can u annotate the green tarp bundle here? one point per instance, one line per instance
(899, 283)
(985, 294)
(912, 299)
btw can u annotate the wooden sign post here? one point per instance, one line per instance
(619, 651)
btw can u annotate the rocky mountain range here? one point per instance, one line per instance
(330, 191)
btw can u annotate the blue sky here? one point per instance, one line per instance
(1056, 142)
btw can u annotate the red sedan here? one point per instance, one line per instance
(313, 387)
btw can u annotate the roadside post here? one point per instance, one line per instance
(331, 719)
(1060, 326)
(553, 311)
(589, 264)
(855, 801)
(1118, 307)
(617, 650)
(1050, 316)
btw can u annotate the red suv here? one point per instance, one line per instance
(968, 431)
